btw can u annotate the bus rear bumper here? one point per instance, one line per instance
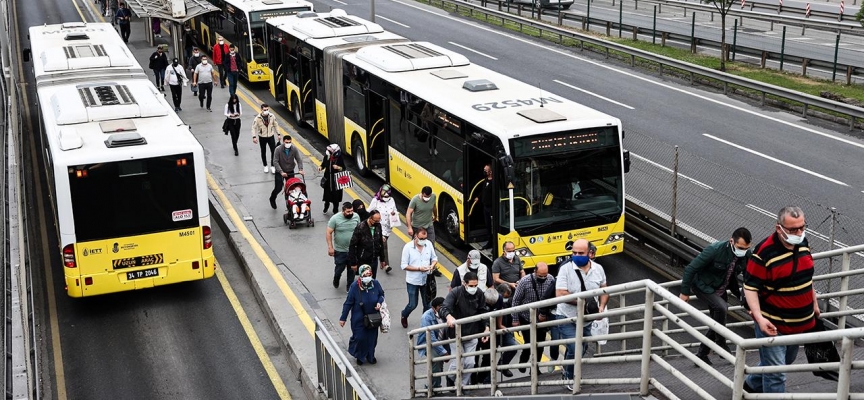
(118, 281)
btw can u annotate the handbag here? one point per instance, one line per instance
(822, 352)
(431, 287)
(324, 181)
(371, 320)
(343, 180)
(591, 306)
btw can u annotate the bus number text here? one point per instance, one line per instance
(498, 105)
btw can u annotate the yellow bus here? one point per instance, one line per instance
(242, 24)
(127, 177)
(416, 114)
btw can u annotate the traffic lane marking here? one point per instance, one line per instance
(278, 384)
(593, 94)
(669, 170)
(633, 75)
(395, 22)
(473, 51)
(776, 160)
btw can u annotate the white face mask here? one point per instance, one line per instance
(327, 153)
(474, 264)
(738, 252)
(196, 54)
(221, 42)
(422, 242)
(510, 254)
(288, 145)
(366, 279)
(231, 53)
(793, 239)
(204, 62)
(471, 289)
(426, 198)
(265, 113)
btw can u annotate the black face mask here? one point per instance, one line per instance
(175, 63)
(539, 279)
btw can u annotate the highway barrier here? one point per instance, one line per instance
(337, 379)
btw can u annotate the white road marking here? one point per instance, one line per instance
(388, 19)
(594, 94)
(632, 75)
(669, 170)
(778, 161)
(773, 216)
(472, 50)
(341, 2)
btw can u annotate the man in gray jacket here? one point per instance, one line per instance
(285, 158)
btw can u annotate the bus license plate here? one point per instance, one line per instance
(144, 273)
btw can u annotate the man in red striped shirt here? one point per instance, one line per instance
(779, 291)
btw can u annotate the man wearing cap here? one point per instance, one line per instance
(474, 265)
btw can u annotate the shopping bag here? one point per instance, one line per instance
(600, 327)
(385, 318)
(394, 220)
(343, 180)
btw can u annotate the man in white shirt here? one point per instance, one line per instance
(418, 261)
(566, 283)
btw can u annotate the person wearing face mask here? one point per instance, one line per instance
(285, 158)
(462, 302)
(191, 63)
(233, 112)
(203, 80)
(190, 39)
(175, 75)
(265, 130)
(360, 209)
(418, 261)
(508, 268)
(365, 296)
(779, 290)
(710, 274)
(579, 269)
(367, 244)
(535, 287)
(340, 229)
(430, 318)
(384, 203)
(422, 213)
(158, 63)
(474, 263)
(123, 17)
(332, 163)
(220, 50)
(487, 198)
(231, 64)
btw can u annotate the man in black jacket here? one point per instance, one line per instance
(462, 302)
(158, 63)
(368, 245)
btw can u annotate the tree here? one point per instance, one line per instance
(860, 16)
(722, 7)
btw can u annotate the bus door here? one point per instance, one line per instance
(307, 85)
(476, 229)
(377, 138)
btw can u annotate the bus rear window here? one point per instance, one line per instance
(134, 197)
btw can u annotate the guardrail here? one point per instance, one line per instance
(337, 379)
(806, 100)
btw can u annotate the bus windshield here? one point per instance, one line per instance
(136, 197)
(574, 189)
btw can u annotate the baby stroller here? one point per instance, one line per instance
(299, 199)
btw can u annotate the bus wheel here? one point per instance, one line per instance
(298, 113)
(449, 221)
(359, 156)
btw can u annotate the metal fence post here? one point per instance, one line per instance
(674, 193)
(430, 354)
(834, 67)
(738, 377)
(647, 326)
(830, 259)
(458, 361)
(623, 319)
(844, 285)
(536, 353)
(654, 27)
(578, 346)
(782, 47)
(620, 16)
(845, 368)
(734, 38)
(693, 33)
(493, 354)
(588, 16)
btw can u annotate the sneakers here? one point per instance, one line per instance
(235, 153)
(296, 216)
(749, 389)
(336, 282)
(209, 110)
(388, 269)
(272, 170)
(704, 357)
(266, 169)
(507, 373)
(405, 322)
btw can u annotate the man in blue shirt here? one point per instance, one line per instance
(418, 261)
(430, 318)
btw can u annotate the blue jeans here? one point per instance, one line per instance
(774, 355)
(340, 258)
(159, 75)
(568, 331)
(506, 340)
(232, 82)
(413, 291)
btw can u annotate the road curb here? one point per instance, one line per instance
(280, 316)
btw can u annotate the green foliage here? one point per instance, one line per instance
(860, 16)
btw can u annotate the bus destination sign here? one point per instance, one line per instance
(260, 16)
(564, 142)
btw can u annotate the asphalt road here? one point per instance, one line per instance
(178, 342)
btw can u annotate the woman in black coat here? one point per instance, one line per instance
(332, 163)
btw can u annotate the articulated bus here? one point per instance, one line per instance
(243, 25)
(298, 45)
(416, 114)
(127, 177)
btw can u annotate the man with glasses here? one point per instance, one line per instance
(569, 282)
(710, 274)
(779, 291)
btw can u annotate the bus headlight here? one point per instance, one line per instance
(615, 237)
(524, 252)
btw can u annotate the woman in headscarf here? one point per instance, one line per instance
(332, 163)
(364, 297)
(384, 203)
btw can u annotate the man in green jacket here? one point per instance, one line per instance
(710, 274)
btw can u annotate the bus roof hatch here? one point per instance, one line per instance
(410, 57)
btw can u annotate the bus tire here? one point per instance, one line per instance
(359, 156)
(449, 223)
(298, 113)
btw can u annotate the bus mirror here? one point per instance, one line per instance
(507, 165)
(25, 54)
(626, 161)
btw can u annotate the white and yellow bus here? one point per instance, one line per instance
(416, 114)
(242, 24)
(127, 178)
(297, 48)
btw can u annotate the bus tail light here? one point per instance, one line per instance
(69, 256)
(195, 265)
(208, 240)
(88, 280)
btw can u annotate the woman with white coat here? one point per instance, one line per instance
(384, 203)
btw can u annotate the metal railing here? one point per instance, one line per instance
(337, 379)
(764, 89)
(658, 331)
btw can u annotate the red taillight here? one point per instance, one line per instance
(195, 265)
(208, 240)
(69, 256)
(88, 281)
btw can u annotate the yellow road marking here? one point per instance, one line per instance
(79, 11)
(278, 384)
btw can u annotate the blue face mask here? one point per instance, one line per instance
(580, 261)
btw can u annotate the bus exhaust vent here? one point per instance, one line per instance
(84, 51)
(542, 115)
(479, 85)
(338, 22)
(97, 96)
(76, 36)
(410, 57)
(124, 140)
(307, 14)
(447, 74)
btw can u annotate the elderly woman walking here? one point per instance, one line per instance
(365, 298)
(331, 164)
